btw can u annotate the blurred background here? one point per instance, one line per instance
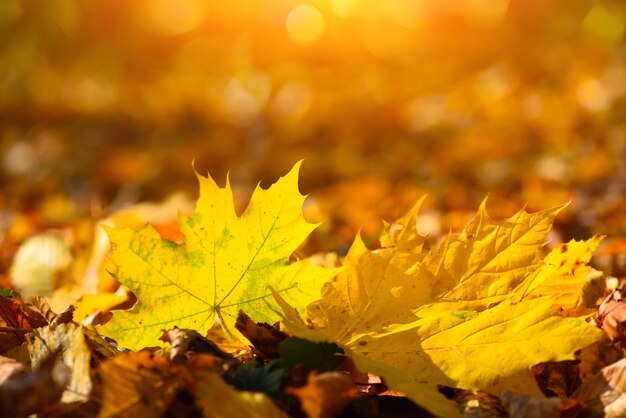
(105, 103)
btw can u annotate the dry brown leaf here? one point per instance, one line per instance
(596, 356)
(52, 317)
(325, 395)
(138, 385)
(263, 337)
(15, 314)
(71, 340)
(557, 378)
(593, 289)
(604, 394)
(611, 316)
(146, 385)
(364, 382)
(186, 341)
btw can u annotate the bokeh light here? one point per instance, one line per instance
(305, 24)
(108, 102)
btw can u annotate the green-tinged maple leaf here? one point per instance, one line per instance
(475, 314)
(225, 263)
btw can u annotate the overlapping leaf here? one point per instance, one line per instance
(485, 262)
(224, 263)
(476, 314)
(564, 273)
(217, 399)
(146, 385)
(71, 339)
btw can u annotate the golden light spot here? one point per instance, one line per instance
(175, 17)
(244, 99)
(305, 24)
(592, 95)
(423, 113)
(292, 101)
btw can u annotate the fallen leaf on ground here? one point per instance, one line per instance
(163, 215)
(564, 273)
(70, 339)
(186, 341)
(138, 385)
(604, 395)
(15, 314)
(216, 399)
(263, 337)
(224, 264)
(90, 304)
(611, 316)
(364, 382)
(42, 305)
(557, 378)
(596, 356)
(146, 385)
(325, 395)
(458, 317)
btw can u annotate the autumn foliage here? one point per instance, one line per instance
(474, 314)
(328, 208)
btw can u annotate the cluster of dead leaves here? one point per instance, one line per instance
(484, 322)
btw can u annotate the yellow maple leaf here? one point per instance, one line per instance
(456, 317)
(225, 263)
(483, 264)
(564, 272)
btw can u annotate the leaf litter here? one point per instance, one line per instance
(226, 325)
